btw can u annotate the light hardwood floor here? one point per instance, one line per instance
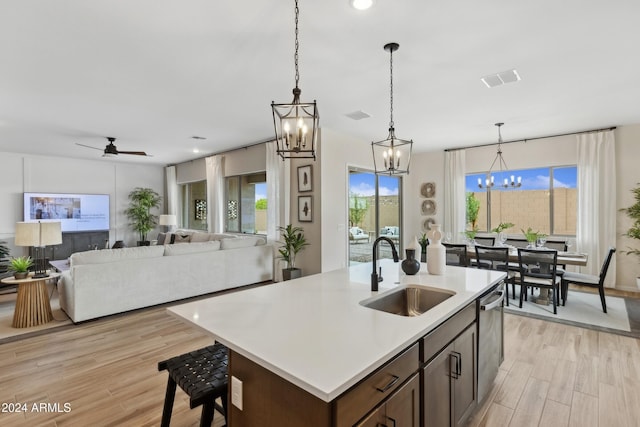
(106, 370)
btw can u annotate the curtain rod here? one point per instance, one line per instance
(530, 139)
(244, 147)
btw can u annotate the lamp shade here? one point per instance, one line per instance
(27, 234)
(168, 220)
(50, 233)
(38, 233)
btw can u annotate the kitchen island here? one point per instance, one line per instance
(314, 334)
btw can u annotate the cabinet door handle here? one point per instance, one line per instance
(388, 386)
(458, 363)
(453, 360)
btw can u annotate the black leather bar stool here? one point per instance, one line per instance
(203, 375)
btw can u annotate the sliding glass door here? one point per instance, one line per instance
(375, 209)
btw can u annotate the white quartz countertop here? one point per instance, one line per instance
(314, 332)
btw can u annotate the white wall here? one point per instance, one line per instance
(339, 151)
(29, 173)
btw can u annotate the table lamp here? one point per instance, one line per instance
(39, 235)
(168, 220)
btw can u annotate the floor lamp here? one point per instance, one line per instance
(39, 235)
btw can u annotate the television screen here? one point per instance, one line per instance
(76, 212)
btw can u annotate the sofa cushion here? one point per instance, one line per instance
(200, 237)
(171, 250)
(241, 242)
(110, 255)
(220, 236)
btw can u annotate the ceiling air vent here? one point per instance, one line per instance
(493, 80)
(358, 115)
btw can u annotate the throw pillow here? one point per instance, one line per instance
(182, 238)
(200, 237)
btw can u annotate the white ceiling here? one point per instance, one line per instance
(154, 73)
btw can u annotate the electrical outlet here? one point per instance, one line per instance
(236, 392)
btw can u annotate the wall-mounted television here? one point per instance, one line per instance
(76, 212)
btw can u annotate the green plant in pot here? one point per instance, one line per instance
(141, 201)
(531, 236)
(633, 232)
(20, 266)
(424, 242)
(293, 242)
(502, 226)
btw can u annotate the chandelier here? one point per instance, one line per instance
(392, 155)
(296, 124)
(513, 182)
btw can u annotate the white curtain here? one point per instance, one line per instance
(596, 228)
(173, 201)
(277, 201)
(215, 193)
(454, 193)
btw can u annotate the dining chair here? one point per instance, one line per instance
(496, 258)
(538, 269)
(456, 254)
(561, 246)
(485, 241)
(517, 243)
(588, 280)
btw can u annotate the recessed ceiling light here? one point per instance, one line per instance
(195, 150)
(361, 4)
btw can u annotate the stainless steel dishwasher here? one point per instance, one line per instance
(490, 338)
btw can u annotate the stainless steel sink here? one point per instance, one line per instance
(412, 300)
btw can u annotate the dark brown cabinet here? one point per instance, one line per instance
(449, 377)
(400, 409)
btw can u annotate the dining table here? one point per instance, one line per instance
(564, 258)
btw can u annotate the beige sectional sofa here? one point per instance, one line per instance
(104, 282)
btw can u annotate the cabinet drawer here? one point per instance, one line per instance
(361, 398)
(437, 339)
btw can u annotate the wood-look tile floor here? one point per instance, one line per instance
(559, 375)
(106, 371)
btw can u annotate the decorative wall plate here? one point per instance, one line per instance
(428, 207)
(426, 224)
(428, 190)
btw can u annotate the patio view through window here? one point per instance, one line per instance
(374, 210)
(246, 203)
(547, 201)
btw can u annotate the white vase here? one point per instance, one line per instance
(436, 252)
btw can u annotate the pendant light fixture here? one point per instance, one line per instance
(296, 124)
(392, 155)
(490, 181)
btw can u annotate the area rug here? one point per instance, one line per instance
(9, 333)
(584, 309)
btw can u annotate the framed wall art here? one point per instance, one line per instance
(200, 209)
(304, 179)
(305, 208)
(428, 190)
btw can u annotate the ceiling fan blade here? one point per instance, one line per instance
(135, 153)
(88, 146)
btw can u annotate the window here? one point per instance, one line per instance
(374, 210)
(194, 204)
(547, 201)
(246, 202)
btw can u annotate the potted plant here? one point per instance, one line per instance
(424, 242)
(294, 242)
(532, 236)
(141, 201)
(502, 226)
(20, 266)
(471, 235)
(633, 232)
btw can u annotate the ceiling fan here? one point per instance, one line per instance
(111, 150)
